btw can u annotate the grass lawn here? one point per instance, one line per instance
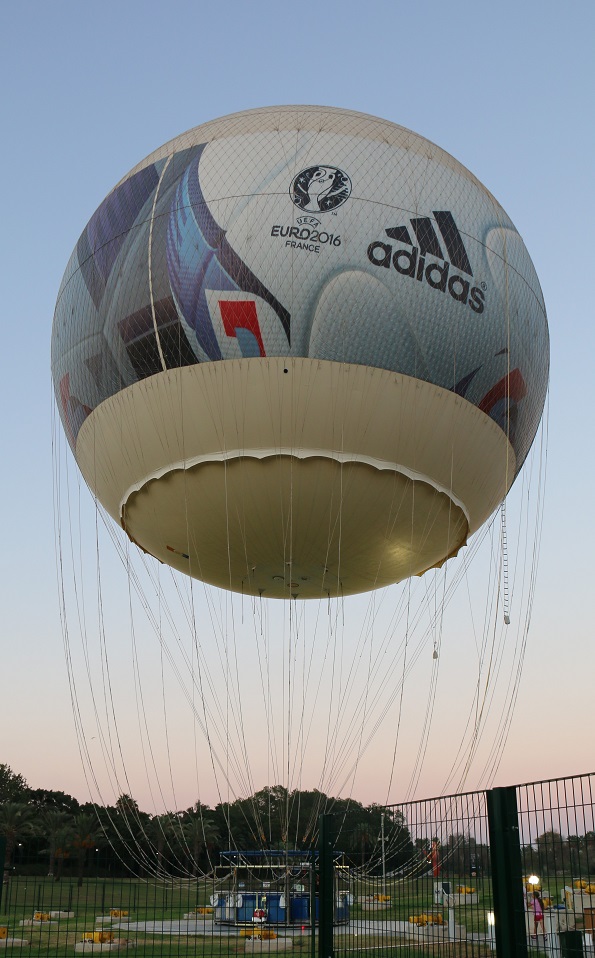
(157, 901)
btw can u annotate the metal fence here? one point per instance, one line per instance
(507, 871)
(423, 881)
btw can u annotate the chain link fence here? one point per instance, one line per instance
(507, 871)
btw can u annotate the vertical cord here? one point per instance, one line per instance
(150, 258)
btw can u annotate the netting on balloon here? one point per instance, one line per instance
(211, 223)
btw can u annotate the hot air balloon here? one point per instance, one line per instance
(300, 351)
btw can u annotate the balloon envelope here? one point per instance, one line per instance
(300, 351)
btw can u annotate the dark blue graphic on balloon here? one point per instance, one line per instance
(199, 258)
(108, 229)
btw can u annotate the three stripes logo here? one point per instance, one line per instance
(410, 259)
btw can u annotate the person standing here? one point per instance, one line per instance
(538, 916)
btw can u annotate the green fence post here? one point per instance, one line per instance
(2, 863)
(326, 898)
(313, 877)
(507, 873)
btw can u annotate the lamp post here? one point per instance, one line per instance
(491, 919)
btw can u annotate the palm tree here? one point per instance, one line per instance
(363, 837)
(56, 826)
(199, 833)
(85, 836)
(162, 831)
(15, 822)
(63, 838)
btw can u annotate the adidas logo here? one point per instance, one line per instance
(412, 262)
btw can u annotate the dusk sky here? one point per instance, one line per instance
(88, 91)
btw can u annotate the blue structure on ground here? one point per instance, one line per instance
(275, 887)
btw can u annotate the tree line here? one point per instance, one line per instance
(51, 832)
(551, 853)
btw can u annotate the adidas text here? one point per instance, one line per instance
(410, 263)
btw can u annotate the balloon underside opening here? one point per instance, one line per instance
(311, 527)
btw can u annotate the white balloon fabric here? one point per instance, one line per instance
(300, 351)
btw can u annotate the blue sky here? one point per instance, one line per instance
(90, 89)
